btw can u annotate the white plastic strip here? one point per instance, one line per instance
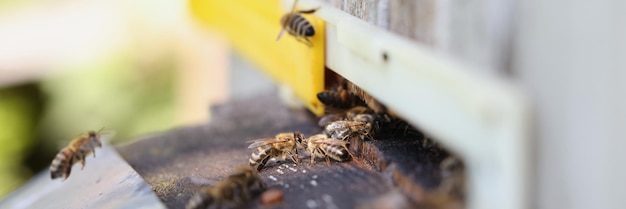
(481, 118)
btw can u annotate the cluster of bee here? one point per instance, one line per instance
(232, 192)
(285, 145)
(349, 117)
(75, 152)
(236, 188)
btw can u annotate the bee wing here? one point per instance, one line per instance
(335, 125)
(292, 10)
(333, 142)
(262, 142)
(317, 139)
(259, 142)
(328, 119)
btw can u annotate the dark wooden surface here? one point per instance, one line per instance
(178, 162)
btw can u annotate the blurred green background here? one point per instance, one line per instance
(70, 66)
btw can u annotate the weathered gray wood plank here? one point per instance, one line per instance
(477, 32)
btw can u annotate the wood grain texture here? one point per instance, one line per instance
(476, 32)
(414, 19)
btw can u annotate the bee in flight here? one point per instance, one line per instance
(232, 192)
(75, 152)
(297, 26)
(321, 145)
(283, 145)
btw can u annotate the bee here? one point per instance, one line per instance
(361, 125)
(77, 150)
(283, 145)
(297, 26)
(247, 178)
(339, 99)
(207, 196)
(321, 146)
(347, 115)
(368, 99)
(232, 192)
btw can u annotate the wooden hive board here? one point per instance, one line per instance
(178, 162)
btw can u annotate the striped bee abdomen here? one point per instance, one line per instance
(260, 156)
(61, 166)
(301, 26)
(336, 152)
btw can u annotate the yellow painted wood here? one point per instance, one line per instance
(252, 27)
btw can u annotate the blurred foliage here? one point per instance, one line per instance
(9, 4)
(120, 93)
(129, 90)
(19, 110)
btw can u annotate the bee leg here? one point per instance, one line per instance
(306, 41)
(262, 164)
(328, 160)
(297, 157)
(294, 158)
(80, 157)
(260, 184)
(68, 169)
(82, 162)
(94, 153)
(312, 158)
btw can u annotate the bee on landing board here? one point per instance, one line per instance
(283, 145)
(75, 152)
(297, 26)
(346, 115)
(338, 99)
(321, 146)
(232, 192)
(247, 178)
(360, 126)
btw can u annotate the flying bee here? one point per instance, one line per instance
(232, 192)
(77, 150)
(283, 145)
(321, 146)
(362, 126)
(297, 26)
